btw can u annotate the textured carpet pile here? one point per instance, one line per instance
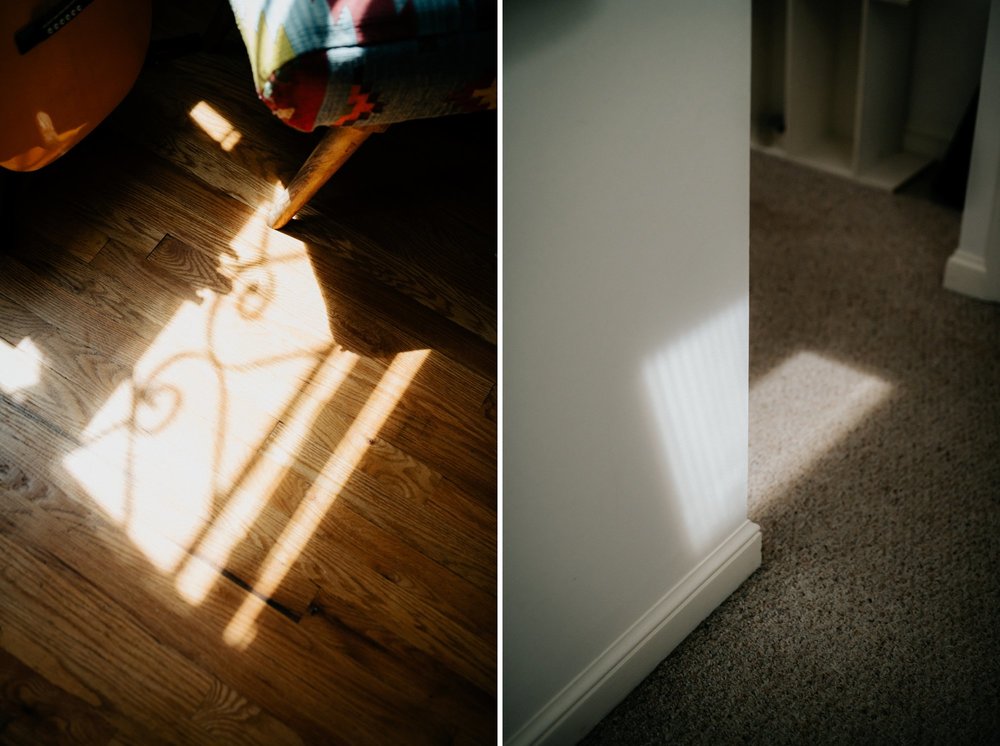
(875, 477)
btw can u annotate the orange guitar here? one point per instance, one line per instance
(66, 65)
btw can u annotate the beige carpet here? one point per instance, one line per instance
(875, 476)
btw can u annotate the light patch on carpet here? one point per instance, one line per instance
(801, 410)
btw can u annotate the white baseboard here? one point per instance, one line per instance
(966, 273)
(572, 713)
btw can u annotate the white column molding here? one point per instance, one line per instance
(974, 268)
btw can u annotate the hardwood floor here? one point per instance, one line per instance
(248, 477)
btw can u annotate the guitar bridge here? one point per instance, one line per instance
(42, 28)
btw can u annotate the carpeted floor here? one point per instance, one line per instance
(875, 476)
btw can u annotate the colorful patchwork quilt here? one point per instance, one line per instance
(370, 62)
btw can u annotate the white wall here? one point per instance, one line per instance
(625, 271)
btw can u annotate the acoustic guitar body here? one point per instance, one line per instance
(66, 66)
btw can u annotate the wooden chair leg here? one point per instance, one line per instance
(332, 152)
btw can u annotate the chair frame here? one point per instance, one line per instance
(332, 152)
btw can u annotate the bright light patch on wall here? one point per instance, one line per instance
(20, 366)
(697, 389)
(215, 125)
(802, 409)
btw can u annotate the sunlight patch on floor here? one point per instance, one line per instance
(20, 366)
(802, 410)
(203, 398)
(324, 492)
(215, 125)
(188, 453)
(249, 496)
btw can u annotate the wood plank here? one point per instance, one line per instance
(145, 280)
(81, 378)
(62, 268)
(194, 269)
(457, 650)
(248, 318)
(359, 680)
(388, 488)
(162, 198)
(460, 447)
(403, 323)
(158, 116)
(100, 368)
(386, 635)
(76, 382)
(42, 627)
(87, 184)
(490, 405)
(415, 283)
(67, 312)
(190, 395)
(67, 396)
(441, 234)
(193, 151)
(419, 506)
(444, 296)
(72, 406)
(399, 594)
(75, 232)
(457, 445)
(33, 710)
(376, 584)
(328, 558)
(444, 228)
(224, 228)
